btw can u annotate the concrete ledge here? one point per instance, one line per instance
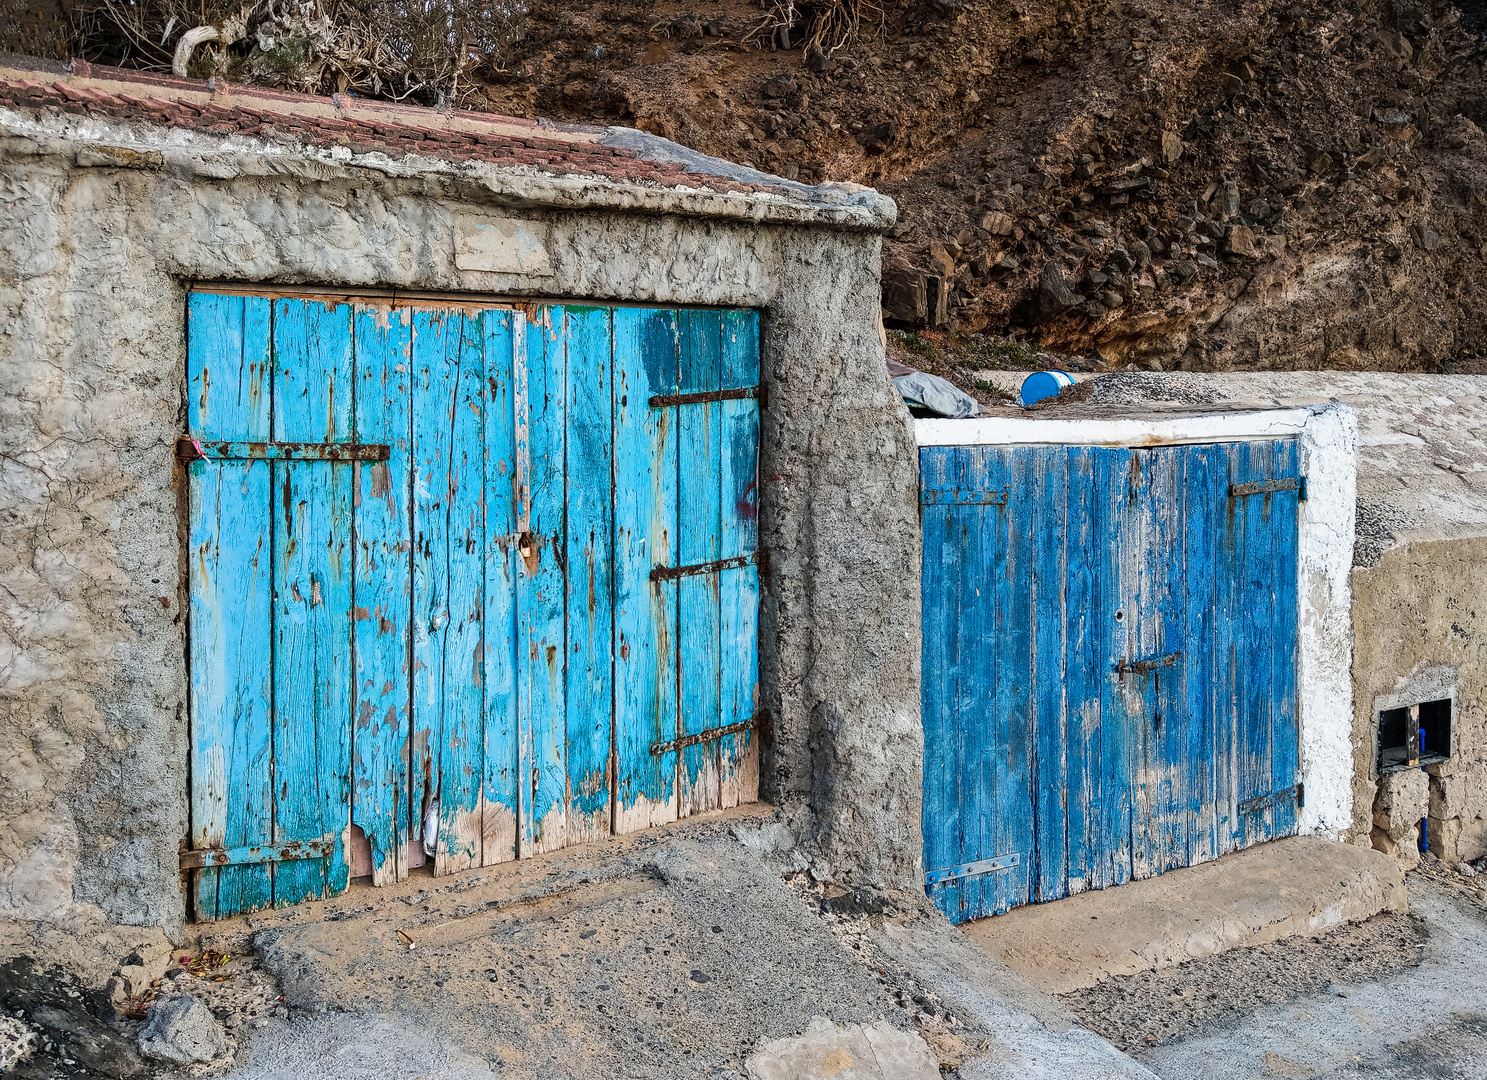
(1301, 885)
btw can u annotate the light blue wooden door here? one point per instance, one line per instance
(1109, 664)
(467, 584)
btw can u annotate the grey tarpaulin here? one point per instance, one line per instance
(930, 393)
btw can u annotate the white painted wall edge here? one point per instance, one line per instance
(1155, 431)
(1329, 460)
(1324, 686)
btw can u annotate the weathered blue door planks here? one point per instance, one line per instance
(589, 580)
(476, 624)
(738, 580)
(231, 567)
(1109, 663)
(382, 608)
(312, 390)
(647, 350)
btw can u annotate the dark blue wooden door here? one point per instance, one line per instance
(1109, 663)
(467, 583)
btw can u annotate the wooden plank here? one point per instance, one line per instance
(645, 455)
(1264, 503)
(1227, 572)
(230, 606)
(987, 679)
(1137, 543)
(1171, 721)
(459, 757)
(1085, 666)
(1156, 560)
(1049, 496)
(435, 355)
(1285, 520)
(313, 669)
(1117, 504)
(939, 564)
(1254, 617)
(501, 801)
(1205, 474)
(1013, 807)
(738, 589)
(384, 551)
(228, 367)
(541, 659)
(589, 559)
(954, 752)
(699, 539)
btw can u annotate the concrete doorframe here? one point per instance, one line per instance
(1328, 435)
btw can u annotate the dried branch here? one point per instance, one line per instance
(424, 49)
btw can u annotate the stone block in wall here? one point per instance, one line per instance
(1472, 844)
(1404, 847)
(1448, 796)
(1445, 837)
(1403, 797)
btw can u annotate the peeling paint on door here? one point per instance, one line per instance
(1110, 654)
(471, 610)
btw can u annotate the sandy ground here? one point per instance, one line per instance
(677, 955)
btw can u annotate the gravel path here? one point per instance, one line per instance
(1424, 1021)
(1136, 1012)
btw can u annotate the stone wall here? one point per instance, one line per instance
(95, 266)
(1420, 617)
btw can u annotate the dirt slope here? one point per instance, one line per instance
(1203, 184)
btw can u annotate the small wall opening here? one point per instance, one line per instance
(1415, 734)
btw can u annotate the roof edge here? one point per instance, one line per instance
(693, 184)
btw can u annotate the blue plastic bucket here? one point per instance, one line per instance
(1043, 384)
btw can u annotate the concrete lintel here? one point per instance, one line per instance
(1156, 431)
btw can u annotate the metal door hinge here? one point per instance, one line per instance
(259, 853)
(671, 573)
(742, 393)
(1270, 799)
(710, 735)
(189, 449)
(971, 870)
(1267, 487)
(1142, 667)
(964, 497)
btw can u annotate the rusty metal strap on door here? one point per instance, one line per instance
(1269, 487)
(971, 869)
(189, 449)
(259, 853)
(710, 735)
(1265, 802)
(964, 497)
(742, 393)
(1142, 667)
(671, 573)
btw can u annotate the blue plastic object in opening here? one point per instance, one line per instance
(1043, 384)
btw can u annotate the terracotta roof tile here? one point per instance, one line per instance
(366, 126)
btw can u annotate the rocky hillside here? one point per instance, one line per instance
(1195, 184)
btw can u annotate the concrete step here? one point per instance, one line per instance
(1297, 886)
